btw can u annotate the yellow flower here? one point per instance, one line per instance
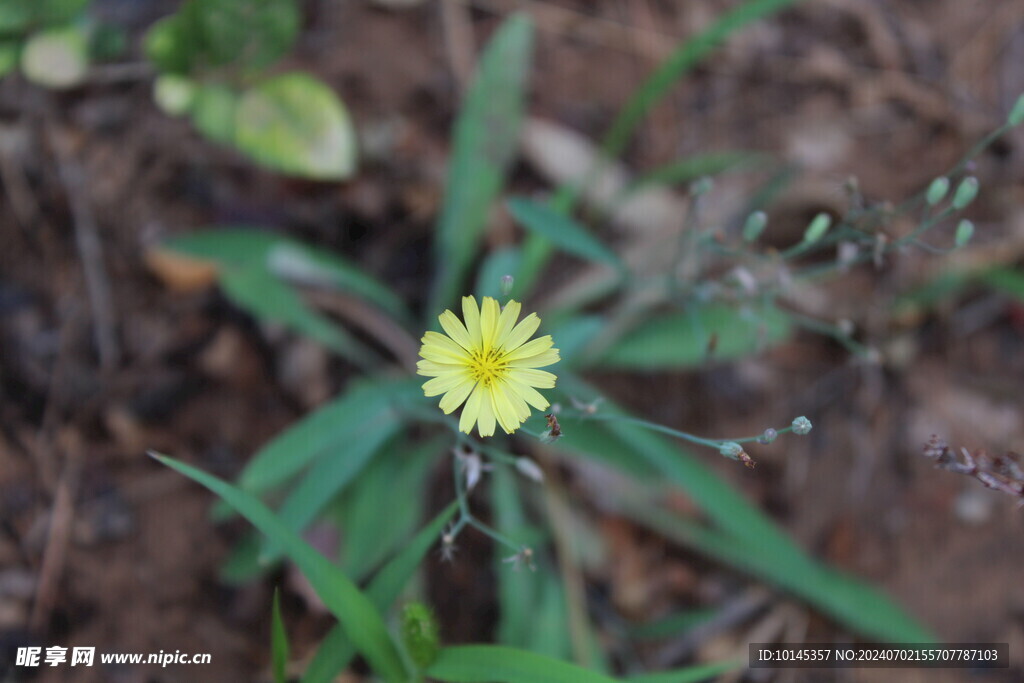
(488, 364)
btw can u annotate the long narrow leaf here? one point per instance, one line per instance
(357, 614)
(486, 139)
(562, 231)
(499, 664)
(691, 674)
(278, 641)
(336, 651)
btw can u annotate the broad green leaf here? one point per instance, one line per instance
(357, 614)
(335, 650)
(289, 259)
(702, 334)
(372, 533)
(171, 46)
(267, 298)
(56, 58)
(500, 664)
(562, 231)
(278, 641)
(691, 674)
(485, 141)
(212, 109)
(295, 124)
(325, 431)
(254, 33)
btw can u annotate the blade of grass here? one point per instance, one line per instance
(486, 139)
(500, 664)
(336, 650)
(562, 231)
(691, 674)
(279, 649)
(357, 614)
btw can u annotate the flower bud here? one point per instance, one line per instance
(731, 449)
(818, 227)
(768, 436)
(937, 190)
(801, 425)
(755, 225)
(506, 284)
(965, 192)
(964, 232)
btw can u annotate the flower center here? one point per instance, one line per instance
(488, 365)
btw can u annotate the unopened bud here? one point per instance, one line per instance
(701, 186)
(937, 190)
(965, 192)
(801, 426)
(964, 232)
(768, 436)
(530, 470)
(731, 449)
(818, 227)
(755, 225)
(506, 284)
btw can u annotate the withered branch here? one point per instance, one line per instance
(1000, 472)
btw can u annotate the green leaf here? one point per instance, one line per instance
(270, 300)
(16, 16)
(684, 58)
(278, 641)
(56, 58)
(325, 431)
(335, 650)
(370, 533)
(562, 231)
(295, 124)
(331, 473)
(499, 664)
(740, 534)
(705, 333)
(355, 611)
(290, 259)
(485, 141)
(698, 166)
(57, 11)
(255, 33)
(171, 46)
(573, 334)
(691, 674)
(1007, 280)
(10, 50)
(212, 109)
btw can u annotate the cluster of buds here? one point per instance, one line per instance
(999, 472)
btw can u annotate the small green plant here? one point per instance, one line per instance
(720, 298)
(51, 40)
(213, 59)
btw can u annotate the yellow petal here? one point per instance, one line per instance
(506, 322)
(527, 393)
(542, 379)
(485, 419)
(472, 410)
(471, 314)
(454, 328)
(530, 348)
(506, 413)
(443, 344)
(444, 383)
(455, 398)
(490, 310)
(431, 368)
(440, 355)
(549, 357)
(521, 332)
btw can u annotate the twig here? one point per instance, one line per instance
(90, 249)
(1000, 472)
